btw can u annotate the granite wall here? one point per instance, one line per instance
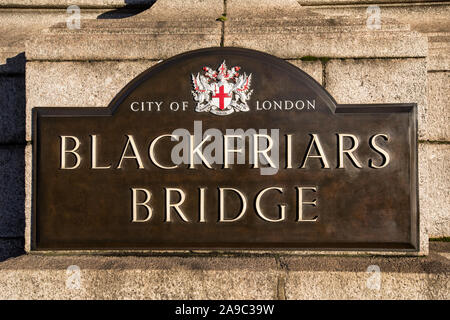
(408, 60)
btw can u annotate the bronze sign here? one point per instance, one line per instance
(225, 148)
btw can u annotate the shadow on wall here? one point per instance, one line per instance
(12, 158)
(131, 8)
(12, 200)
(12, 140)
(12, 100)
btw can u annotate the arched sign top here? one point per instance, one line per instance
(225, 81)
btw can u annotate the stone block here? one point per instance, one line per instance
(263, 8)
(294, 32)
(44, 277)
(355, 277)
(166, 29)
(12, 109)
(434, 190)
(144, 43)
(66, 3)
(313, 68)
(348, 2)
(322, 43)
(12, 191)
(77, 84)
(111, 46)
(381, 81)
(422, 17)
(438, 111)
(182, 9)
(439, 53)
(203, 276)
(16, 25)
(427, 17)
(332, 285)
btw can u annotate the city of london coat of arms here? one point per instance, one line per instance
(221, 92)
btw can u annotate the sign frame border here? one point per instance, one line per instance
(411, 108)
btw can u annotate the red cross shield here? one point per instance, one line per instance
(222, 95)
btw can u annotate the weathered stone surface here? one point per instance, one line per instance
(189, 25)
(110, 40)
(351, 278)
(66, 3)
(139, 278)
(438, 111)
(439, 52)
(88, 84)
(77, 84)
(263, 8)
(233, 277)
(12, 109)
(352, 285)
(16, 25)
(381, 81)
(428, 17)
(434, 191)
(345, 2)
(299, 43)
(182, 9)
(110, 46)
(422, 17)
(12, 191)
(164, 30)
(406, 278)
(11, 247)
(313, 68)
(283, 30)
